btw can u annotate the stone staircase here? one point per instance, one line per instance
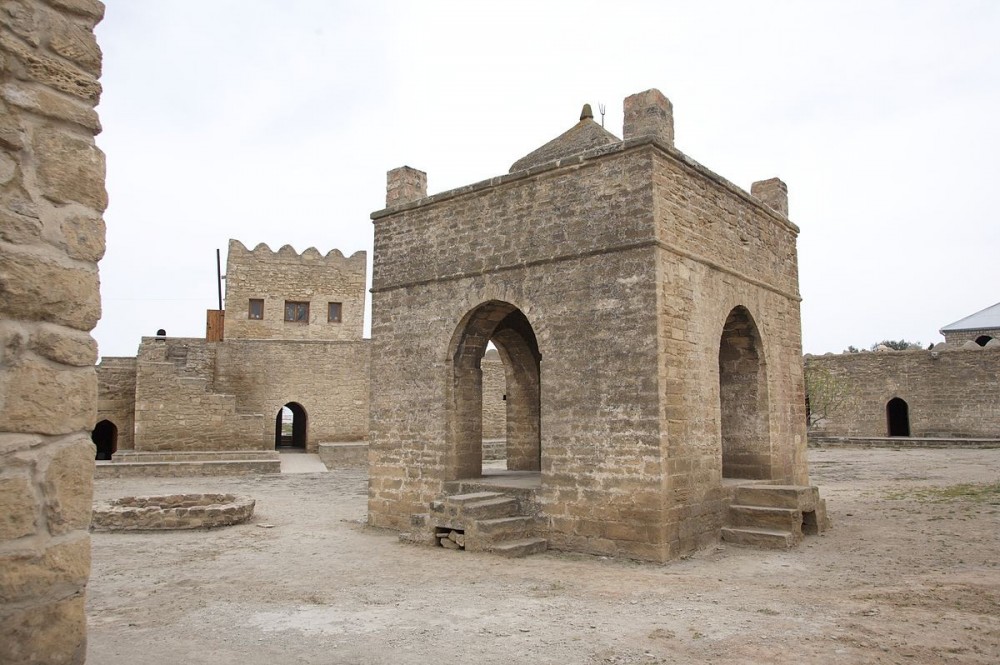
(775, 516)
(478, 522)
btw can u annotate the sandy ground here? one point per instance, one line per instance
(901, 578)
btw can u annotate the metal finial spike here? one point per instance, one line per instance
(586, 112)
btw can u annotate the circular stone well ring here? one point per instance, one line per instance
(172, 511)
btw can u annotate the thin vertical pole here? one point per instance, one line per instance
(218, 274)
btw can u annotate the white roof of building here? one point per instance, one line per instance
(986, 318)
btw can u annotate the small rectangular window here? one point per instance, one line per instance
(333, 312)
(297, 312)
(256, 309)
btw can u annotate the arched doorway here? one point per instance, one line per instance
(897, 417)
(743, 401)
(983, 340)
(509, 330)
(290, 427)
(105, 437)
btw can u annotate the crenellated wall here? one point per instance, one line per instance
(285, 275)
(51, 237)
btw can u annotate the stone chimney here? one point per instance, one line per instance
(649, 114)
(773, 193)
(404, 185)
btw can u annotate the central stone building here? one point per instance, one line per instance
(647, 314)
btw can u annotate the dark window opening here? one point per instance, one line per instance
(256, 309)
(297, 312)
(333, 312)
(897, 415)
(983, 340)
(105, 437)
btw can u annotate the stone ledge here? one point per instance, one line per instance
(900, 442)
(171, 512)
(182, 469)
(348, 455)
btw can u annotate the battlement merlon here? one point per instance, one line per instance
(773, 193)
(287, 254)
(650, 114)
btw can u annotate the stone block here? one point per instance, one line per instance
(74, 42)
(18, 513)
(649, 113)
(48, 634)
(37, 287)
(31, 64)
(773, 193)
(64, 345)
(92, 9)
(83, 236)
(68, 484)
(59, 571)
(48, 103)
(73, 168)
(39, 397)
(19, 229)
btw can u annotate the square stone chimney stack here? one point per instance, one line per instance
(649, 113)
(404, 185)
(773, 193)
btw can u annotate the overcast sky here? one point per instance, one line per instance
(275, 121)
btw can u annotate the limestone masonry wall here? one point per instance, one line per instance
(116, 397)
(494, 393)
(51, 238)
(277, 277)
(328, 379)
(948, 392)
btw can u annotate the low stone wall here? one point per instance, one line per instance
(494, 449)
(131, 464)
(171, 512)
(900, 442)
(352, 455)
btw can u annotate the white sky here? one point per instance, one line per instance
(275, 121)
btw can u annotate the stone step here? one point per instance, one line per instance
(514, 549)
(472, 497)
(803, 497)
(764, 517)
(488, 509)
(504, 528)
(772, 539)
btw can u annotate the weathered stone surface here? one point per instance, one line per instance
(83, 236)
(93, 9)
(10, 129)
(18, 514)
(31, 64)
(64, 345)
(74, 170)
(60, 570)
(43, 398)
(74, 42)
(35, 285)
(21, 18)
(45, 102)
(8, 168)
(68, 483)
(49, 634)
(19, 229)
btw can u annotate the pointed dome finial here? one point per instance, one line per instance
(586, 112)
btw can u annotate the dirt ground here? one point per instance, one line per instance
(906, 575)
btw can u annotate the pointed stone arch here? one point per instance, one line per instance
(745, 442)
(105, 437)
(509, 330)
(294, 436)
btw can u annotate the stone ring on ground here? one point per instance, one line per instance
(172, 511)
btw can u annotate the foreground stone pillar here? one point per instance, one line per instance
(51, 237)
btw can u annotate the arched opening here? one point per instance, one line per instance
(105, 437)
(290, 427)
(897, 417)
(983, 340)
(743, 402)
(512, 334)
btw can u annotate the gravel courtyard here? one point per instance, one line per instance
(908, 574)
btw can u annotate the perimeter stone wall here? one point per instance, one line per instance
(51, 238)
(285, 275)
(116, 397)
(948, 392)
